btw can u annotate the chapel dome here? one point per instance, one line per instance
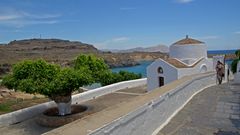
(188, 48)
(188, 41)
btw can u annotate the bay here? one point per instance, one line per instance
(144, 64)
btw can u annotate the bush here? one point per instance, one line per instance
(234, 65)
(235, 62)
(129, 75)
(237, 53)
(111, 78)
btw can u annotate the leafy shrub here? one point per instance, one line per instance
(111, 78)
(234, 65)
(235, 62)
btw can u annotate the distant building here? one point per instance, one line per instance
(186, 57)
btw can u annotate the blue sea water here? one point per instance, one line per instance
(143, 65)
(221, 51)
(135, 69)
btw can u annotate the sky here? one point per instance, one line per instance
(123, 24)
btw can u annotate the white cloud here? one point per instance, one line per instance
(184, 1)
(128, 8)
(8, 17)
(16, 18)
(237, 32)
(41, 16)
(114, 41)
(120, 39)
(208, 37)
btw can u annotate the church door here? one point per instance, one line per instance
(161, 81)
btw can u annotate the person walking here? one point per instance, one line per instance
(220, 71)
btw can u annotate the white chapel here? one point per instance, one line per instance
(186, 57)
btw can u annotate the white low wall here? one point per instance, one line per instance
(23, 114)
(91, 94)
(152, 116)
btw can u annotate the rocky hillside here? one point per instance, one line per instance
(130, 59)
(158, 48)
(63, 52)
(49, 49)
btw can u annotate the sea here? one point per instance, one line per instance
(143, 64)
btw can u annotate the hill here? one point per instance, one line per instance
(158, 48)
(63, 52)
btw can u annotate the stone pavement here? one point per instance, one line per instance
(214, 111)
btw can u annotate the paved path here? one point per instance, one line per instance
(215, 111)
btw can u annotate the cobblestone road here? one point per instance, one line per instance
(215, 111)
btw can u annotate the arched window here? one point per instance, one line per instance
(160, 70)
(203, 69)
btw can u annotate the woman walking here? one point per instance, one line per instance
(220, 71)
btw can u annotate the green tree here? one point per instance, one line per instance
(235, 62)
(49, 80)
(237, 53)
(100, 70)
(59, 83)
(96, 66)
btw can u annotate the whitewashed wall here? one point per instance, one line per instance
(192, 51)
(91, 94)
(23, 114)
(152, 116)
(237, 74)
(196, 69)
(169, 74)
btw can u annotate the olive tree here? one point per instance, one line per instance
(49, 80)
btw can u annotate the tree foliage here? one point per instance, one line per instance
(100, 70)
(95, 66)
(235, 62)
(237, 53)
(49, 79)
(111, 78)
(44, 78)
(234, 65)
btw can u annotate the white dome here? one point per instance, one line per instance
(188, 49)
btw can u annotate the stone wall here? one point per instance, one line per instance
(152, 116)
